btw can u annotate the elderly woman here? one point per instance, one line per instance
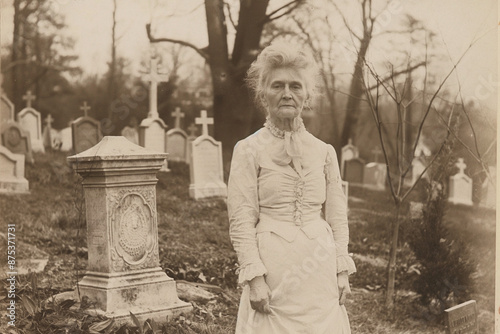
(294, 263)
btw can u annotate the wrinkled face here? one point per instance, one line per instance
(284, 93)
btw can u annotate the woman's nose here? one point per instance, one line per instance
(287, 94)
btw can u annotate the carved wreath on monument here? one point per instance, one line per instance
(133, 229)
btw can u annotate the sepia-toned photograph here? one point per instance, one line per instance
(249, 167)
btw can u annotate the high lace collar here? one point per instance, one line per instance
(281, 133)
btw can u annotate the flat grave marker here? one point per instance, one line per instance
(462, 319)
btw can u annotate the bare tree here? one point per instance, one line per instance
(234, 111)
(399, 167)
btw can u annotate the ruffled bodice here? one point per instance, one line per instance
(268, 193)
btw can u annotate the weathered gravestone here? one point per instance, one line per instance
(206, 169)
(353, 170)
(192, 136)
(85, 131)
(6, 106)
(65, 137)
(460, 188)
(6, 109)
(12, 178)
(177, 139)
(489, 189)
(131, 134)
(16, 140)
(31, 121)
(348, 152)
(374, 176)
(47, 132)
(152, 129)
(462, 319)
(345, 189)
(124, 273)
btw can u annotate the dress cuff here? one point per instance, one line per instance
(250, 271)
(345, 263)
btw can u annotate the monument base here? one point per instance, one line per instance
(147, 293)
(207, 191)
(14, 186)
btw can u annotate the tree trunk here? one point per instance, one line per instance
(16, 49)
(391, 266)
(234, 114)
(355, 93)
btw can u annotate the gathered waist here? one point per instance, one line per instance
(313, 226)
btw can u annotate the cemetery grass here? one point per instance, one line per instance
(194, 246)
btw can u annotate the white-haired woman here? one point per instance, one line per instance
(294, 263)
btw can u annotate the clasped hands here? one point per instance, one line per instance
(260, 292)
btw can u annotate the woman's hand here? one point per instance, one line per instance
(344, 289)
(259, 294)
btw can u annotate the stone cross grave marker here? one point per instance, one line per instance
(460, 186)
(12, 178)
(28, 97)
(193, 129)
(177, 139)
(152, 129)
(348, 152)
(16, 140)
(206, 169)
(354, 169)
(462, 319)
(46, 134)
(85, 131)
(124, 273)
(31, 121)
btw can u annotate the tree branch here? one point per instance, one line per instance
(228, 7)
(292, 4)
(152, 39)
(346, 23)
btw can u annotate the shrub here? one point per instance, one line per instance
(445, 269)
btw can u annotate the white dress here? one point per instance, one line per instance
(277, 187)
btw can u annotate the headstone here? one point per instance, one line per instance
(47, 132)
(375, 175)
(353, 170)
(460, 189)
(462, 319)
(124, 274)
(16, 140)
(417, 168)
(193, 129)
(152, 129)
(12, 178)
(131, 134)
(489, 189)
(31, 121)
(206, 169)
(85, 131)
(6, 109)
(345, 189)
(66, 139)
(348, 152)
(177, 139)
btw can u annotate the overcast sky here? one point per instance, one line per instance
(457, 22)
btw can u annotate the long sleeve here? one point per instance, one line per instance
(243, 211)
(336, 212)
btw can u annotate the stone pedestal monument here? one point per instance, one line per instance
(124, 274)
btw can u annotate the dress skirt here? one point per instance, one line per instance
(302, 276)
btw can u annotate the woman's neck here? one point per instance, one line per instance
(286, 124)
